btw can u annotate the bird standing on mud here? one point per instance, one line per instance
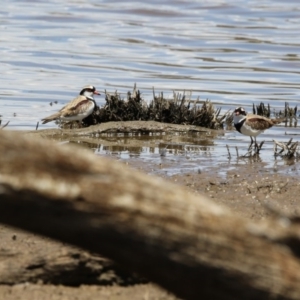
(252, 125)
(78, 109)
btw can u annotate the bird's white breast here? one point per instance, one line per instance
(247, 130)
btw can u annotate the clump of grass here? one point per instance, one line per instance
(291, 115)
(178, 110)
(262, 110)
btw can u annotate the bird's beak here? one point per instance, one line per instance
(96, 93)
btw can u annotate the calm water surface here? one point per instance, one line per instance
(232, 52)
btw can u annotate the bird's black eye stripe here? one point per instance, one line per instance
(91, 89)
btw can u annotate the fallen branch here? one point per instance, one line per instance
(185, 243)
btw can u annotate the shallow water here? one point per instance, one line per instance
(231, 52)
(170, 154)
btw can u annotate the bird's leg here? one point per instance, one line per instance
(250, 146)
(258, 147)
(255, 144)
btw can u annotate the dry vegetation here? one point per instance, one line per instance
(179, 110)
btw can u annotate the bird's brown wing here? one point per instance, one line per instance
(73, 103)
(259, 123)
(76, 106)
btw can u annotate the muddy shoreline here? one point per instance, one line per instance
(250, 190)
(129, 127)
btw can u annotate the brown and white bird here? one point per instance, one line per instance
(251, 124)
(78, 109)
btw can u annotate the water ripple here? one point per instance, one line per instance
(232, 52)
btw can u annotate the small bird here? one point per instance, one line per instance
(251, 124)
(78, 109)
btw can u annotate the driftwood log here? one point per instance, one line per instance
(186, 243)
